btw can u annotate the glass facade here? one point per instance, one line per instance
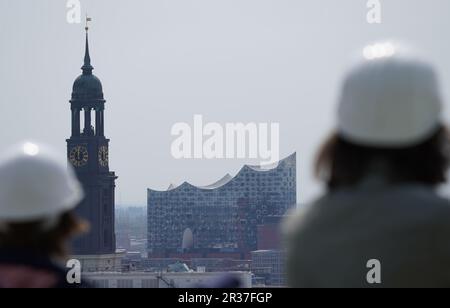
(221, 217)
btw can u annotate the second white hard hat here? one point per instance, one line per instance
(35, 184)
(390, 100)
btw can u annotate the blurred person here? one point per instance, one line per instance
(381, 168)
(38, 192)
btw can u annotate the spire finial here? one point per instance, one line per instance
(87, 67)
(88, 19)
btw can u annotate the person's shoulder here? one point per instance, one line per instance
(440, 206)
(411, 199)
(425, 199)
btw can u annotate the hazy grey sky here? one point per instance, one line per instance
(162, 61)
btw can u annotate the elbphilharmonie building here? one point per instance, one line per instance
(222, 217)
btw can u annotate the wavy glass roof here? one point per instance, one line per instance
(228, 178)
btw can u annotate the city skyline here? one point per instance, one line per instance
(160, 65)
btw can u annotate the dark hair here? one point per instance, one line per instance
(342, 163)
(29, 236)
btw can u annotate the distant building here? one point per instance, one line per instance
(132, 261)
(158, 265)
(268, 262)
(221, 218)
(269, 233)
(160, 280)
(270, 265)
(101, 263)
(131, 229)
(221, 265)
(198, 264)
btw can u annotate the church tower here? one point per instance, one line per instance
(88, 152)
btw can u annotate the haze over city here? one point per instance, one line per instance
(162, 62)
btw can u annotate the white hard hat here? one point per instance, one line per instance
(35, 184)
(391, 99)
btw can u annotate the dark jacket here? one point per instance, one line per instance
(21, 269)
(405, 227)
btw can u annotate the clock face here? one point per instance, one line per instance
(79, 156)
(103, 156)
